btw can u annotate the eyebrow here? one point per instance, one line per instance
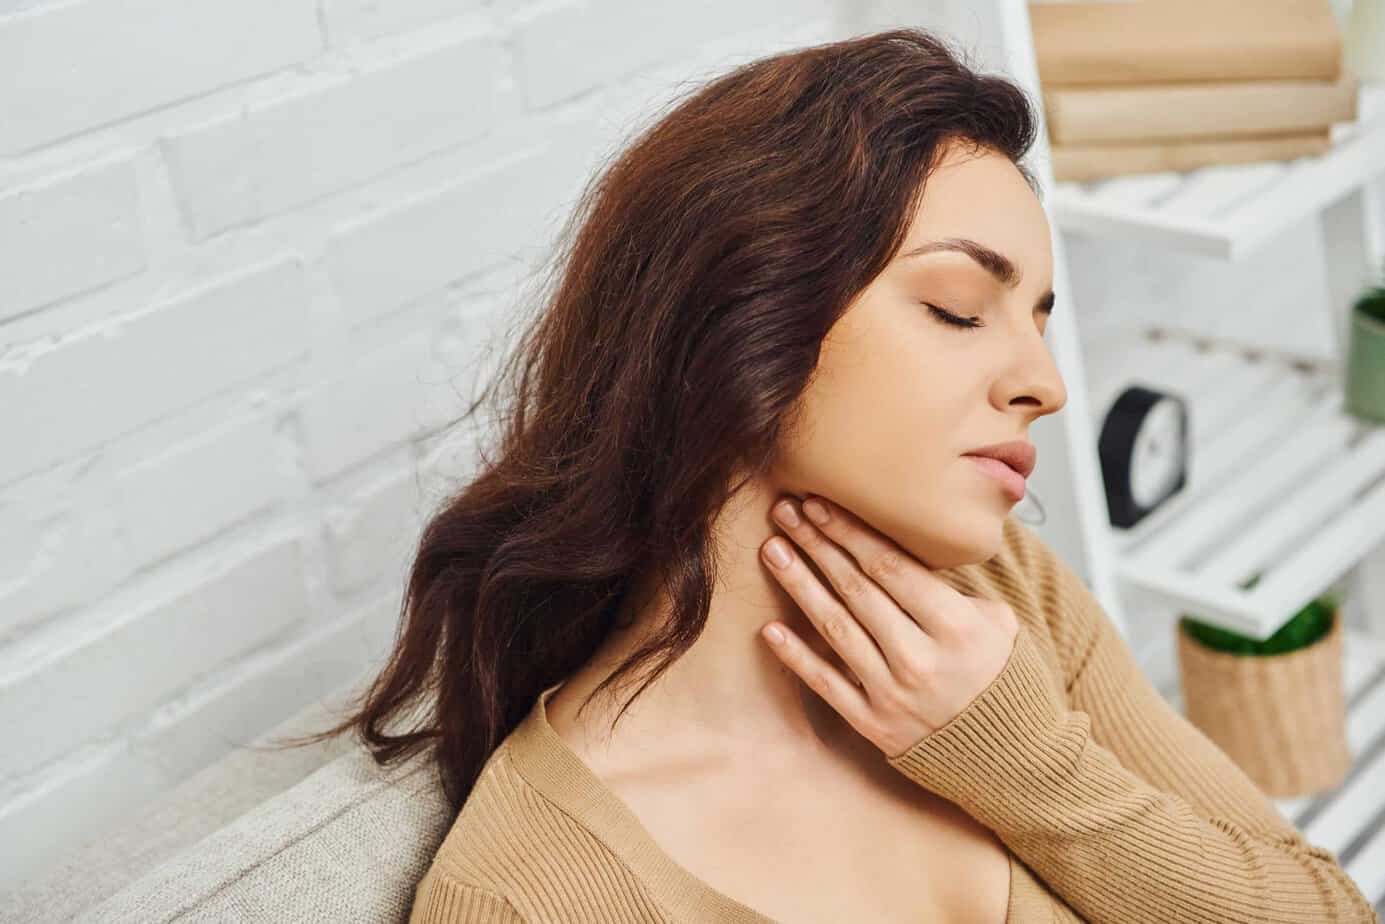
(992, 261)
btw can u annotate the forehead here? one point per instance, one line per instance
(982, 195)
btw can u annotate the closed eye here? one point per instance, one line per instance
(948, 317)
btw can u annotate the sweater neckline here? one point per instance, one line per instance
(546, 760)
(550, 765)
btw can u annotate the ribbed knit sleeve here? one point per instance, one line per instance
(439, 899)
(1124, 808)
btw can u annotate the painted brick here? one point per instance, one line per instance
(387, 259)
(394, 395)
(241, 169)
(565, 51)
(70, 557)
(67, 235)
(357, 19)
(135, 666)
(76, 66)
(184, 496)
(93, 389)
(370, 541)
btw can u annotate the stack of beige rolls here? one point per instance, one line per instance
(1151, 85)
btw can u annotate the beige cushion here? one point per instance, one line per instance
(246, 838)
(348, 843)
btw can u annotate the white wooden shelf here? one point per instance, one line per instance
(1345, 820)
(1225, 211)
(1282, 483)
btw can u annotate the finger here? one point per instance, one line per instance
(894, 631)
(919, 593)
(823, 679)
(834, 622)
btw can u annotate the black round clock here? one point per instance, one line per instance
(1144, 452)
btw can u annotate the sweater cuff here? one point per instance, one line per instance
(1003, 742)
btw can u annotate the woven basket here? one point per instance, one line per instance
(1281, 717)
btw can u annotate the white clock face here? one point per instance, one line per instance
(1157, 456)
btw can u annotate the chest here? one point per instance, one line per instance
(839, 850)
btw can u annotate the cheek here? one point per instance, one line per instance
(879, 407)
(881, 418)
(879, 446)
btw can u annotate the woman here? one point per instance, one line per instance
(824, 275)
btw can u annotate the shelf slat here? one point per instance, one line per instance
(1226, 210)
(1367, 868)
(1283, 483)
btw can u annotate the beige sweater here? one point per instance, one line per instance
(1113, 807)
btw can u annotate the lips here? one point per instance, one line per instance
(1020, 455)
(1011, 481)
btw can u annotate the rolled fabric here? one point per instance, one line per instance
(1082, 162)
(1151, 41)
(1211, 110)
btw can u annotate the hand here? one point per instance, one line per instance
(921, 649)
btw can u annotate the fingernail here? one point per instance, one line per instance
(774, 635)
(815, 510)
(777, 553)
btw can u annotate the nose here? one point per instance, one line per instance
(1032, 379)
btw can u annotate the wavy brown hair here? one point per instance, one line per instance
(691, 289)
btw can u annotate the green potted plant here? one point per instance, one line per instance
(1276, 706)
(1364, 377)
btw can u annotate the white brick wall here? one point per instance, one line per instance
(67, 234)
(248, 166)
(73, 67)
(249, 251)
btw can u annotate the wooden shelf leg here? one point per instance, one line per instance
(1347, 231)
(1365, 585)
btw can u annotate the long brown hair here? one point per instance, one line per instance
(695, 281)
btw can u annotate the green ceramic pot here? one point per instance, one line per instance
(1365, 366)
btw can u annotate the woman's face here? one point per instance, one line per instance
(900, 394)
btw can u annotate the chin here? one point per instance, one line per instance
(966, 528)
(969, 540)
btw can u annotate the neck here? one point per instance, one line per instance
(728, 695)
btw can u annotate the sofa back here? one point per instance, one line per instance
(347, 843)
